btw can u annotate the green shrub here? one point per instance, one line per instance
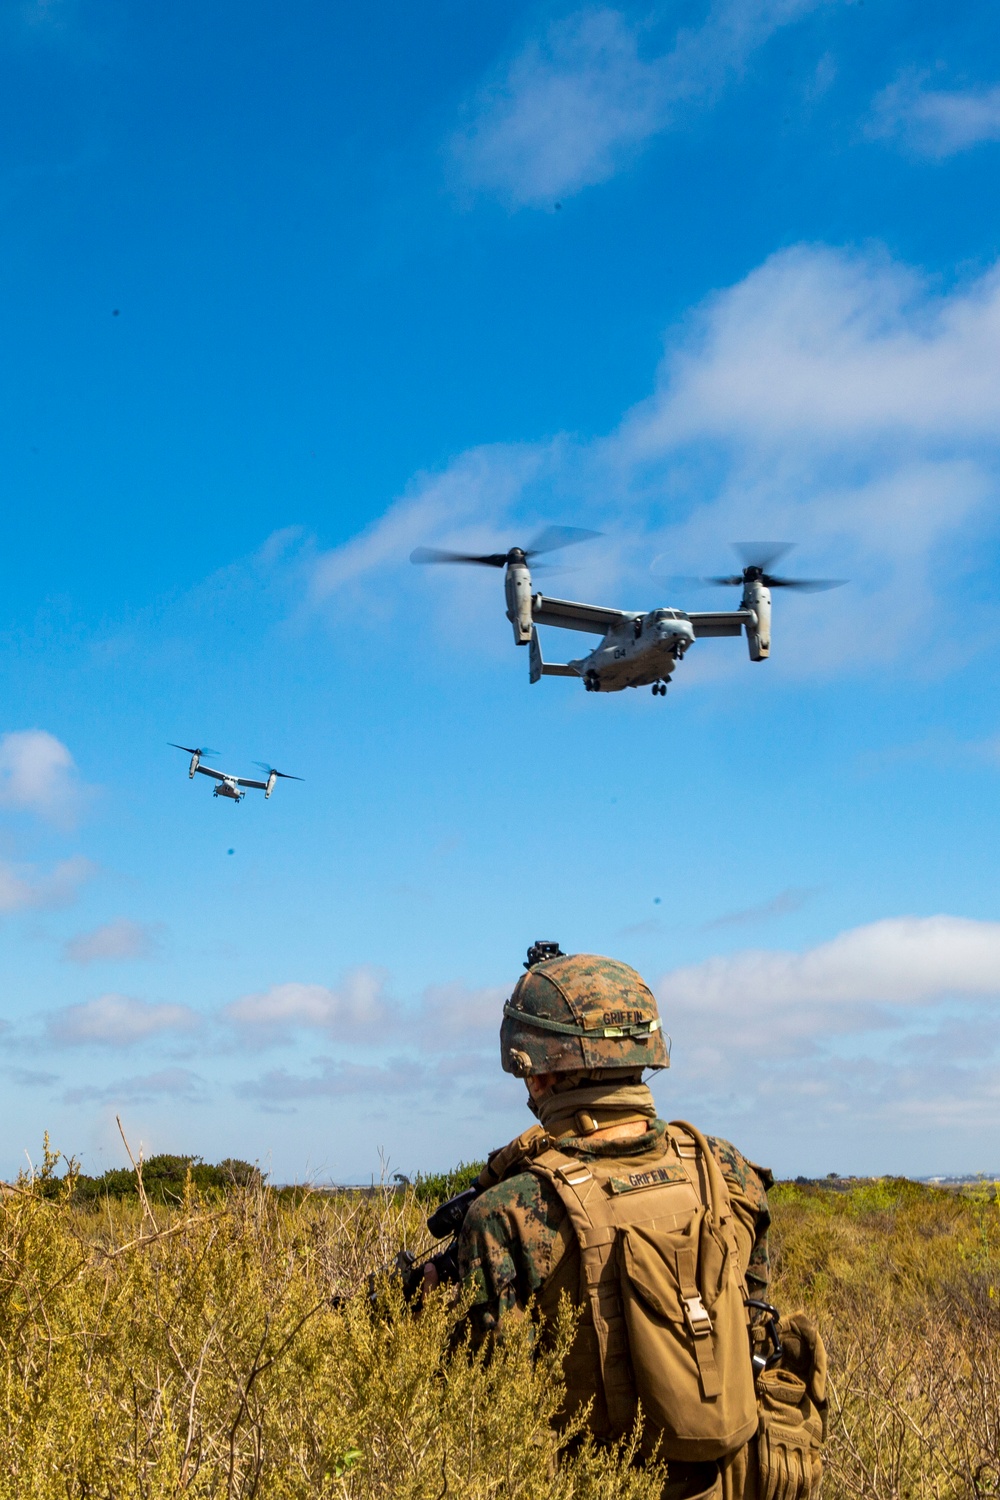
(437, 1187)
(166, 1179)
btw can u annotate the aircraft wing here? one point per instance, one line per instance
(721, 622)
(207, 771)
(245, 781)
(593, 618)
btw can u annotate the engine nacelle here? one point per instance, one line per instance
(195, 759)
(758, 598)
(517, 588)
(271, 782)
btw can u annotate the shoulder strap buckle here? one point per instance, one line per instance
(575, 1174)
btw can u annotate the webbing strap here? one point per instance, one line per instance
(575, 1028)
(699, 1323)
(718, 1193)
(592, 1218)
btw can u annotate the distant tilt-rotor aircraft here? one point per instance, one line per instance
(637, 649)
(233, 787)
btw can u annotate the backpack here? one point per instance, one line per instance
(660, 1274)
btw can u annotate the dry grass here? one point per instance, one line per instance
(905, 1282)
(226, 1347)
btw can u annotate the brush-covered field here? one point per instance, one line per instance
(223, 1345)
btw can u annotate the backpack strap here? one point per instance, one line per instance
(593, 1222)
(712, 1191)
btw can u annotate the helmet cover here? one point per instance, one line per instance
(572, 1014)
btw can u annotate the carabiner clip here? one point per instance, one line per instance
(758, 1360)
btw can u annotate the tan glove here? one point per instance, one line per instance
(792, 1407)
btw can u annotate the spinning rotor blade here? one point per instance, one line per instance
(436, 555)
(554, 537)
(758, 557)
(270, 770)
(660, 569)
(549, 540)
(807, 585)
(761, 554)
(188, 750)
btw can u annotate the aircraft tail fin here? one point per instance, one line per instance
(538, 668)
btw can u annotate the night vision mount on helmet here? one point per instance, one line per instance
(577, 1012)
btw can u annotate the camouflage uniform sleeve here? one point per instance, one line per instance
(513, 1237)
(748, 1191)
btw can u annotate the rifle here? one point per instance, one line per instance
(444, 1223)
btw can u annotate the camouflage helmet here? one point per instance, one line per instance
(573, 1013)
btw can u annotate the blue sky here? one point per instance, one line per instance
(288, 294)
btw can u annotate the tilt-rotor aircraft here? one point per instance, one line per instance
(637, 648)
(233, 787)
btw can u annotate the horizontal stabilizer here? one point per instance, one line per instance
(538, 668)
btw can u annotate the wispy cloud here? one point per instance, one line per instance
(24, 887)
(168, 1083)
(38, 775)
(117, 1021)
(455, 1076)
(577, 104)
(29, 1078)
(782, 905)
(114, 942)
(332, 1078)
(361, 1010)
(934, 122)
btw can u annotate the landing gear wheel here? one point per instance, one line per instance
(592, 682)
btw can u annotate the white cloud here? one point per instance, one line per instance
(821, 348)
(885, 1028)
(899, 961)
(357, 1009)
(117, 1021)
(113, 942)
(361, 1010)
(23, 887)
(38, 775)
(453, 1013)
(576, 105)
(935, 122)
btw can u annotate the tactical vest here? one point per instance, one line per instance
(662, 1282)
